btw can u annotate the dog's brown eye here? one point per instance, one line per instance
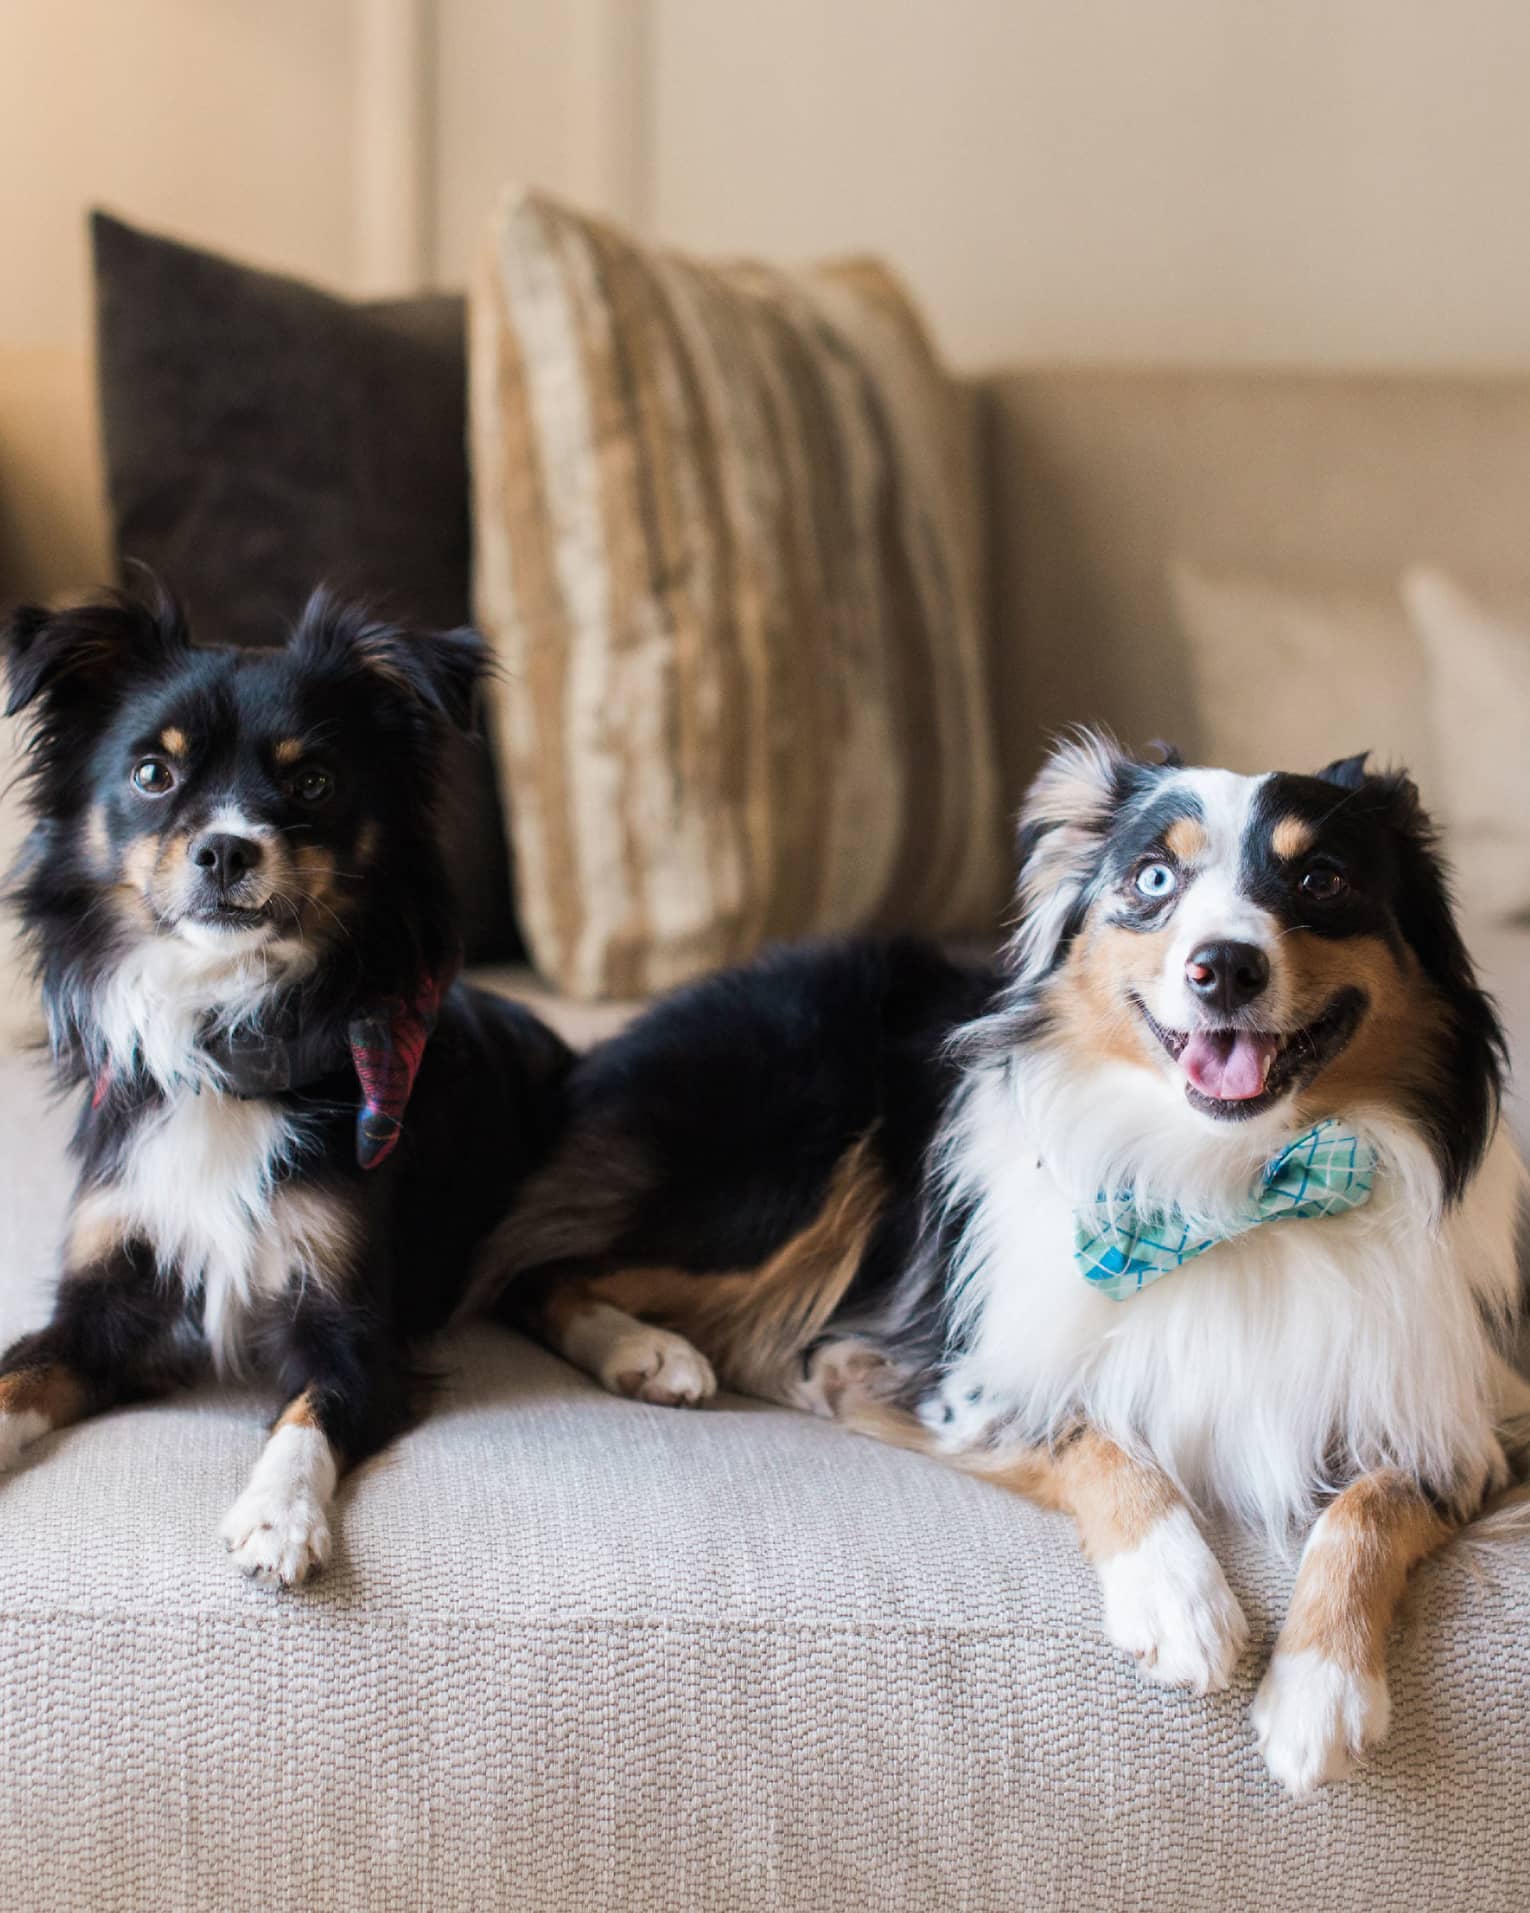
(1323, 884)
(312, 786)
(153, 776)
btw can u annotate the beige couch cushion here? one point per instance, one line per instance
(726, 531)
(1098, 479)
(1291, 674)
(1420, 673)
(1479, 694)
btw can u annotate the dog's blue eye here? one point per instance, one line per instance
(1157, 880)
(153, 776)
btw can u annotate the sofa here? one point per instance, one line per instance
(578, 1652)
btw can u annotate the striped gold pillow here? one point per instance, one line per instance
(727, 547)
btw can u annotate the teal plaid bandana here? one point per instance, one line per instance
(1120, 1248)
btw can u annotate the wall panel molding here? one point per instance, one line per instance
(610, 107)
(394, 179)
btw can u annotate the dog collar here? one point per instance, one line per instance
(255, 1062)
(384, 1043)
(1121, 1248)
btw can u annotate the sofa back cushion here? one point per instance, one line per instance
(727, 545)
(1100, 480)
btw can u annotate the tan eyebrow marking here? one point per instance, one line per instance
(1185, 840)
(1290, 837)
(289, 750)
(173, 739)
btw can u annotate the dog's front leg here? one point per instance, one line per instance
(1324, 1700)
(112, 1320)
(349, 1395)
(277, 1532)
(1167, 1602)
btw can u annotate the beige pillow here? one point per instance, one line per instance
(1290, 676)
(726, 525)
(1479, 676)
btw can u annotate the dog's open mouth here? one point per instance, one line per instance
(1237, 1073)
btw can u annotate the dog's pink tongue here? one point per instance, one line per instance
(1230, 1065)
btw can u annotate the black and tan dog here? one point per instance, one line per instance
(294, 1126)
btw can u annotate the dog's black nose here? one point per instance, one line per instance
(1225, 976)
(224, 857)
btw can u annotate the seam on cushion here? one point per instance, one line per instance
(450, 1625)
(458, 1624)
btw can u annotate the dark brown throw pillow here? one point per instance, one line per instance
(262, 435)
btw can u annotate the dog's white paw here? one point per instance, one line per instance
(280, 1544)
(1168, 1605)
(649, 1364)
(1313, 1719)
(277, 1532)
(17, 1433)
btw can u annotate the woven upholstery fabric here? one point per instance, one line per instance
(726, 534)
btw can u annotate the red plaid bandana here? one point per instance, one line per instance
(387, 1045)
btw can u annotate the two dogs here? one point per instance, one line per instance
(1199, 1198)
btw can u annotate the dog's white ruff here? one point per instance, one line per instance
(199, 1177)
(1239, 1371)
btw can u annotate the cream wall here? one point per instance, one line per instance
(238, 123)
(228, 121)
(547, 90)
(1304, 182)
(1315, 181)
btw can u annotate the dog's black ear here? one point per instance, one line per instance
(445, 668)
(1349, 773)
(1462, 1107)
(437, 671)
(88, 651)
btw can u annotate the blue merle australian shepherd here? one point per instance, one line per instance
(1202, 1199)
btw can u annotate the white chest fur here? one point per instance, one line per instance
(199, 1185)
(1244, 1370)
(200, 1180)
(152, 1011)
